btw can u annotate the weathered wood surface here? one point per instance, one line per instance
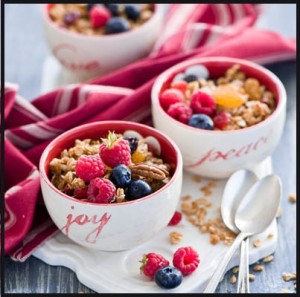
(25, 52)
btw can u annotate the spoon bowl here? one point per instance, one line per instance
(258, 208)
(235, 189)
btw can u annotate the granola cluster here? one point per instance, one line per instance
(97, 19)
(230, 102)
(144, 165)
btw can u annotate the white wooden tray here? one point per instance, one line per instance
(118, 272)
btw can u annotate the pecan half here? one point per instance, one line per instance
(147, 170)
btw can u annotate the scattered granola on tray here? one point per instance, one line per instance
(230, 102)
(107, 170)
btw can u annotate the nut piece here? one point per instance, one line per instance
(292, 197)
(214, 238)
(289, 276)
(270, 235)
(251, 277)
(235, 269)
(233, 279)
(175, 237)
(257, 243)
(258, 267)
(150, 171)
(268, 259)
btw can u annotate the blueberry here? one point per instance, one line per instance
(178, 77)
(113, 8)
(121, 176)
(199, 70)
(132, 11)
(201, 121)
(190, 77)
(168, 277)
(90, 6)
(133, 143)
(117, 25)
(138, 189)
(70, 18)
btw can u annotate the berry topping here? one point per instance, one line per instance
(117, 25)
(180, 111)
(99, 15)
(168, 277)
(228, 96)
(175, 219)
(180, 85)
(140, 154)
(90, 6)
(221, 120)
(80, 193)
(71, 17)
(132, 11)
(169, 97)
(133, 143)
(202, 103)
(198, 70)
(179, 76)
(138, 189)
(151, 262)
(201, 121)
(115, 150)
(89, 167)
(121, 176)
(190, 77)
(186, 259)
(113, 8)
(101, 191)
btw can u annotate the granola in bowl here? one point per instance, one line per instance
(100, 19)
(231, 101)
(110, 170)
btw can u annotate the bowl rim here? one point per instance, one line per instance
(62, 136)
(158, 9)
(159, 81)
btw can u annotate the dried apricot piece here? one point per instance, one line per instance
(228, 96)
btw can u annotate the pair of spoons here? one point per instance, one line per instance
(249, 205)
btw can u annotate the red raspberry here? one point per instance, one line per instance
(115, 150)
(202, 103)
(151, 262)
(99, 15)
(101, 190)
(89, 167)
(175, 219)
(80, 193)
(180, 111)
(169, 97)
(221, 120)
(186, 259)
(180, 85)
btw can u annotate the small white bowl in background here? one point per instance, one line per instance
(90, 56)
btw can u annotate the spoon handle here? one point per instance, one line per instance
(219, 272)
(243, 277)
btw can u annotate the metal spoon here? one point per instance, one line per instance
(235, 189)
(255, 213)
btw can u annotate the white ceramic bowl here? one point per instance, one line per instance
(89, 56)
(115, 226)
(217, 154)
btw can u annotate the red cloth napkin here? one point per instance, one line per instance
(190, 30)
